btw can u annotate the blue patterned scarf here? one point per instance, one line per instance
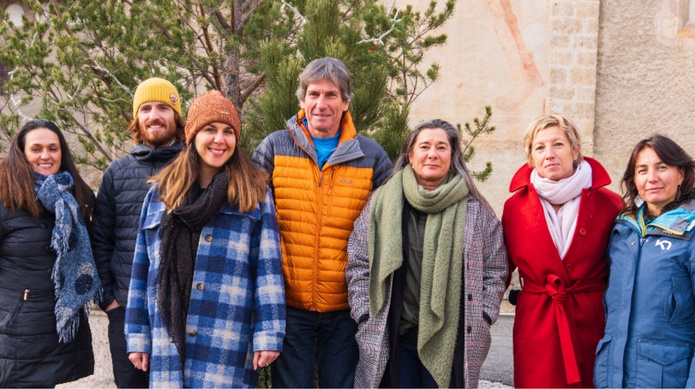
(74, 272)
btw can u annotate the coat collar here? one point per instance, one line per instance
(348, 146)
(147, 154)
(522, 177)
(347, 128)
(676, 222)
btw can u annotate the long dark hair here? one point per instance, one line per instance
(458, 165)
(672, 155)
(17, 175)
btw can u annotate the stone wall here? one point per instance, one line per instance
(645, 78)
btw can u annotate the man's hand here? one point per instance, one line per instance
(114, 304)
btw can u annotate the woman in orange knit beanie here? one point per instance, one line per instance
(207, 303)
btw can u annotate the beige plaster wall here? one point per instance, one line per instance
(621, 70)
(523, 58)
(646, 78)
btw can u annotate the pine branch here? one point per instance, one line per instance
(301, 17)
(481, 127)
(245, 95)
(380, 40)
(207, 45)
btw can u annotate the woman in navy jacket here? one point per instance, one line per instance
(650, 304)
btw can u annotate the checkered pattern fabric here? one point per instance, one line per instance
(485, 272)
(237, 300)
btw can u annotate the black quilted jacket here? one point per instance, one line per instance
(30, 354)
(117, 213)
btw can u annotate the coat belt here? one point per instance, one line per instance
(555, 288)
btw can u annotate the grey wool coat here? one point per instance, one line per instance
(485, 270)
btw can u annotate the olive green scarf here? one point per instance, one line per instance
(442, 262)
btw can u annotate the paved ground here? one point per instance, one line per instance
(499, 364)
(103, 373)
(497, 372)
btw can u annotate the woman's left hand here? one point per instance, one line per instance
(264, 358)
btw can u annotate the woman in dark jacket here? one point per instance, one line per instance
(47, 272)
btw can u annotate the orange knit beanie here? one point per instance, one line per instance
(208, 108)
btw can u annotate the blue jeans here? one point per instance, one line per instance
(330, 338)
(412, 373)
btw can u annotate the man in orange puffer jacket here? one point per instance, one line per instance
(322, 173)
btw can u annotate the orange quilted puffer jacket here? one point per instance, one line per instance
(316, 208)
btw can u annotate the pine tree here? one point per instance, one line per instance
(384, 49)
(82, 60)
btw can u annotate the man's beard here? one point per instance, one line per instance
(158, 138)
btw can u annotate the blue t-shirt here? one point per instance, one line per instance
(325, 147)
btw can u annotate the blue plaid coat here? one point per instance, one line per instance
(237, 299)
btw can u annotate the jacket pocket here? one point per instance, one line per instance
(602, 363)
(681, 310)
(10, 306)
(662, 365)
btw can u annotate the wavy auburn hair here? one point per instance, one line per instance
(246, 185)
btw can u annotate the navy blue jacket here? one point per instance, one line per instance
(117, 213)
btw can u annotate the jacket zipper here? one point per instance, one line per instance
(25, 297)
(317, 241)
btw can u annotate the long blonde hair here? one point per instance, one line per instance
(246, 182)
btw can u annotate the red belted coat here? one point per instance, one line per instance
(559, 314)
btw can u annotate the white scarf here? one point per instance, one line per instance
(567, 192)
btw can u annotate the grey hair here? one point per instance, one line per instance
(458, 165)
(326, 68)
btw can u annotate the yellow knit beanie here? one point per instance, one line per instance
(156, 89)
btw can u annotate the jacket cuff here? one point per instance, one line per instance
(139, 343)
(106, 300)
(268, 341)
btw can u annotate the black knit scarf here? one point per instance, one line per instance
(180, 231)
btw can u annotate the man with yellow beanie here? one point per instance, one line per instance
(158, 134)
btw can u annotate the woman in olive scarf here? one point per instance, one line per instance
(426, 269)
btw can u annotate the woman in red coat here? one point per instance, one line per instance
(556, 228)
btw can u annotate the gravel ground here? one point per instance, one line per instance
(488, 384)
